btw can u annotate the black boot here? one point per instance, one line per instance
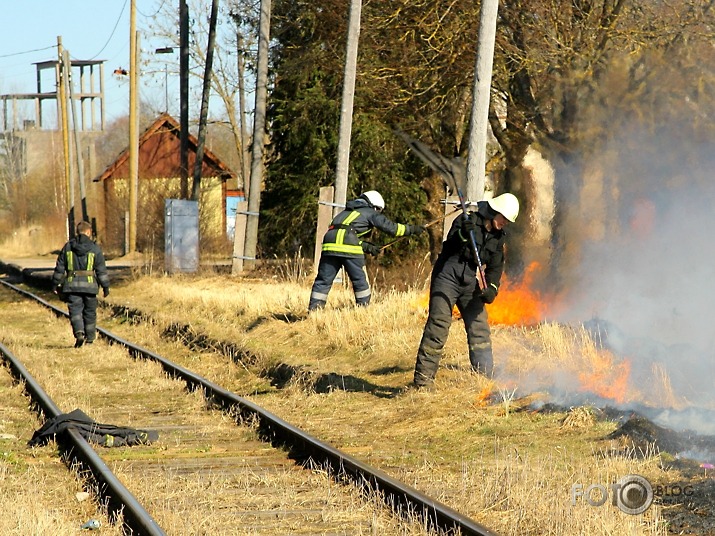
(79, 339)
(482, 361)
(315, 305)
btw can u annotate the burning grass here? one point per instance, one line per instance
(519, 303)
(340, 373)
(470, 442)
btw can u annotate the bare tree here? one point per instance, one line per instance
(205, 93)
(566, 74)
(227, 79)
(571, 74)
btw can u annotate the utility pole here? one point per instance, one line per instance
(133, 128)
(346, 108)
(75, 137)
(239, 228)
(62, 91)
(184, 96)
(259, 127)
(476, 159)
(165, 50)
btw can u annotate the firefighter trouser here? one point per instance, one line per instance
(328, 269)
(453, 284)
(83, 314)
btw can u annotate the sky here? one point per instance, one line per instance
(89, 31)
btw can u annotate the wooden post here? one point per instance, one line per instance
(239, 237)
(451, 214)
(325, 216)
(133, 128)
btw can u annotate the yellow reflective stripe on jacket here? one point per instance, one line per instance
(340, 238)
(70, 265)
(339, 246)
(90, 267)
(343, 248)
(401, 228)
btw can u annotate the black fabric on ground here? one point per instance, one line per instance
(105, 435)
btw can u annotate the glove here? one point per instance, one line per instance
(489, 293)
(415, 229)
(467, 225)
(370, 248)
(105, 291)
(57, 289)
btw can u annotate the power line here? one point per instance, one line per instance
(113, 30)
(155, 14)
(27, 52)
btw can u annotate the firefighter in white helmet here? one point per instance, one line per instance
(343, 246)
(454, 282)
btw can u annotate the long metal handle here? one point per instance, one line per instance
(481, 278)
(428, 224)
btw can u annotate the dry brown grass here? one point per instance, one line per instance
(38, 494)
(489, 457)
(253, 500)
(33, 240)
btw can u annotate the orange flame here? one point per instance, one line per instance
(606, 378)
(483, 396)
(516, 303)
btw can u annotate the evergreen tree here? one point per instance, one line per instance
(304, 114)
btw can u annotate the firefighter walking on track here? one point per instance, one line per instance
(343, 246)
(454, 282)
(80, 271)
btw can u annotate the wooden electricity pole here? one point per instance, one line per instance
(346, 108)
(239, 229)
(62, 102)
(184, 97)
(476, 159)
(133, 128)
(259, 128)
(245, 166)
(75, 138)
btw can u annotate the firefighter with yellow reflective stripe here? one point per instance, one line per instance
(344, 247)
(80, 271)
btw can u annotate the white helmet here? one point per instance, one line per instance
(505, 204)
(375, 199)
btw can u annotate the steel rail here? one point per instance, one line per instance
(303, 446)
(76, 450)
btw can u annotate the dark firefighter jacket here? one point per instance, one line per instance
(106, 435)
(458, 249)
(344, 236)
(80, 267)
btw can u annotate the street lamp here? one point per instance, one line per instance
(165, 50)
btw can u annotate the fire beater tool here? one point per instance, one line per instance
(453, 172)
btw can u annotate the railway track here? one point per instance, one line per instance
(222, 465)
